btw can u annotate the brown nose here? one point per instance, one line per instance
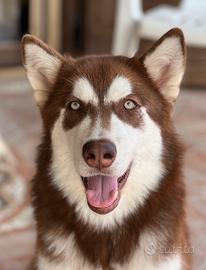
(99, 153)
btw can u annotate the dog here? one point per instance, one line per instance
(108, 192)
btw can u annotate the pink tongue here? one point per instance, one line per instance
(101, 190)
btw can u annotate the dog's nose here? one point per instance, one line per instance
(99, 153)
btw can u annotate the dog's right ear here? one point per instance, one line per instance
(42, 65)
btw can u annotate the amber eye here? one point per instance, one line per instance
(74, 105)
(129, 104)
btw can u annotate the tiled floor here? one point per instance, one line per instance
(20, 126)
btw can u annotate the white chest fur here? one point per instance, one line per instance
(73, 259)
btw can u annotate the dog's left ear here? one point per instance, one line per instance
(42, 65)
(165, 63)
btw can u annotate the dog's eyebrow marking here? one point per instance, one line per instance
(84, 91)
(119, 88)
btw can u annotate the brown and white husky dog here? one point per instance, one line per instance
(108, 192)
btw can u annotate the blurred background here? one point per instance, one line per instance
(92, 27)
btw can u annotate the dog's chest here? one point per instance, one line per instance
(69, 257)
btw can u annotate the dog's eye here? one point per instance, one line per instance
(129, 104)
(74, 105)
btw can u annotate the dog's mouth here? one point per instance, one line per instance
(104, 192)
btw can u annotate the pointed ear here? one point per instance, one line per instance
(165, 63)
(42, 65)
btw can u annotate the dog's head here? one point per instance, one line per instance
(107, 118)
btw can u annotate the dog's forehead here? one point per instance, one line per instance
(100, 77)
(119, 88)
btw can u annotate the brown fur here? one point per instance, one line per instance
(164, 207)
